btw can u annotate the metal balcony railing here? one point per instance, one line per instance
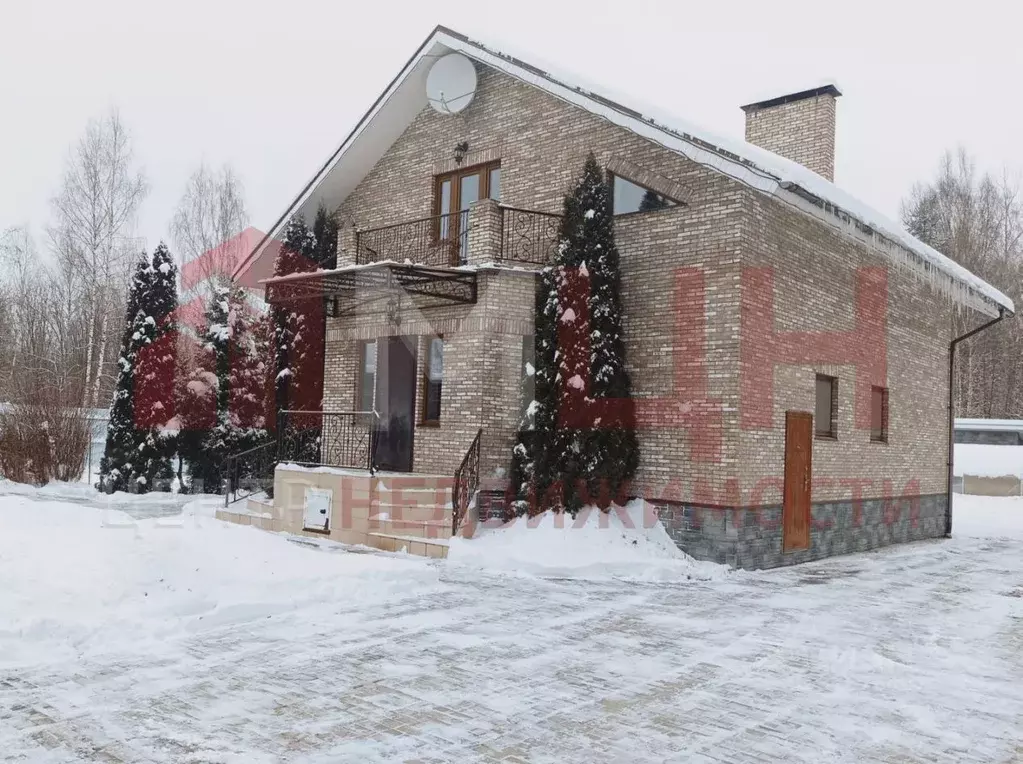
(528, 236)
(439, 240)
(523, 236)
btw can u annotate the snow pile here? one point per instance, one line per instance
(626, 543)
(982, 460)
(987, 516)
(77, 581)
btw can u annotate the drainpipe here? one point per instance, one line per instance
(951, 416)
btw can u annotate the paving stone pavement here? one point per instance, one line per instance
(910, 654)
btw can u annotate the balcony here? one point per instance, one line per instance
(486, 233)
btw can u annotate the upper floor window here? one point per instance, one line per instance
(629, 197)
(454, 193)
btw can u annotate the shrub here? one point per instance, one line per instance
(40, 442)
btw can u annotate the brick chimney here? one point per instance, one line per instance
(799, 126)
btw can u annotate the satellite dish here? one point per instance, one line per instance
(451, 83)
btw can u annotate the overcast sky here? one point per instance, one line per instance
(273, 88)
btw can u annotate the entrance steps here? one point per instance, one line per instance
(411, 513)
(393, 512)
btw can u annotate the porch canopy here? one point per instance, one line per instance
(370, 288)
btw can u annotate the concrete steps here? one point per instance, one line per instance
(427, 529)
(423, 547)
(388, 511)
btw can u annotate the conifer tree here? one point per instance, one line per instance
(577, 446)
(295, 256)
(229, 384)
(139, 444)
(325, 233)
(652, 201)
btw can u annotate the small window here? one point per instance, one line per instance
(433, 380)
(629, 197)
(826, 408)
(879, 414)
(367, 374)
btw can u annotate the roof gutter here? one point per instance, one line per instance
(951, 413)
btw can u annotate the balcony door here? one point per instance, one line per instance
(454, 193)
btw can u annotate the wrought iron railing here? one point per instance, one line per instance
(328, 438)
(250, 472)
(466, 483)
(439, 240)
(528, 236)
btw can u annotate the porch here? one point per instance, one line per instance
(320, 477)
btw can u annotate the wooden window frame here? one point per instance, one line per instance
(425, 377)
(883, 438)
(483, 169)
(831, 434)
(611, 175)
(361, 346)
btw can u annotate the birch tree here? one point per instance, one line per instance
(977, 220)
(95, 213)
(210, 213)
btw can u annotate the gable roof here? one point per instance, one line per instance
(757, 168)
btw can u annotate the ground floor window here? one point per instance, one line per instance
(367, 381)
(433, 380)
(826, 407)
(879, 414)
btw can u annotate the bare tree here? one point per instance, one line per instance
(977, 220)
(210, 213)
(95, 214)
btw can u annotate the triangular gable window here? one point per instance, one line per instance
(631, 197)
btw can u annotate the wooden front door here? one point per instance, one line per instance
(395, 402)
(796, 506)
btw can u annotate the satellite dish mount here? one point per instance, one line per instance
(451, 83)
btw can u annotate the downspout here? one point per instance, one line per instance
(951, 415)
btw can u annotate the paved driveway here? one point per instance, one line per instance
(910, 654)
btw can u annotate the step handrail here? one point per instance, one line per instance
(466, 483)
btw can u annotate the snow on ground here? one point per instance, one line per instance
(988, 516)
(79, 582)
(184, 639)
(153, 504)
(626, 543)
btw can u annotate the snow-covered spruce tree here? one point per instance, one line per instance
(325, 239)
(290, 349)
(578, 443)
(139, 446)
(230, 374)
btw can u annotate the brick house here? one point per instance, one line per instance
(789, 347)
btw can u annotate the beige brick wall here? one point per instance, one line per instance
(482, 353)
(541, 143)
(803, 131)
(814, 277)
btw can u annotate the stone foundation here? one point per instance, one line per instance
(752, 538)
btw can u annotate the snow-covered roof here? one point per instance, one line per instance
(757, 168)
(990, 425)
